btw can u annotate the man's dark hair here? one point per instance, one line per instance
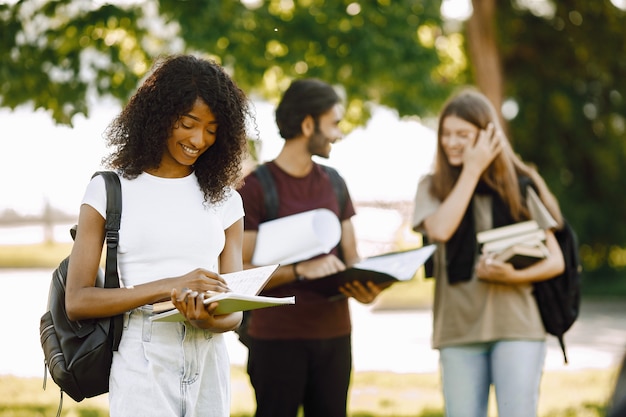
(303, 98)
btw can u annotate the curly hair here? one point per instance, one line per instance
(140, 132)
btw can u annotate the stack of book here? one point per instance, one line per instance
(520, 244)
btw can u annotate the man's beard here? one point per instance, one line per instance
(318, 144)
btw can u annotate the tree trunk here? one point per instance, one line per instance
(483, 52)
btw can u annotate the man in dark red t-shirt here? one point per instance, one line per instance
(301, 354)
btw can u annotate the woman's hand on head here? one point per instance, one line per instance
(486, 148)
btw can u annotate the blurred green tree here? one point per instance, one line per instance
(52, 53)
(557, 67)
(564, 64)
(387, 52)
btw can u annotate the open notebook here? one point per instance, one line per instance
(244, 285)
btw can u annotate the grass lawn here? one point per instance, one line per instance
(38, 255)
(373, 394)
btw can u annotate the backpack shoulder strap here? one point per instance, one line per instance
(558, 298)
(112, 227)
(524, 183)
(270, 194)
(339, 186)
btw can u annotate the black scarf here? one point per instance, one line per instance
(462, 248)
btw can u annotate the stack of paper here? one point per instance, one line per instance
(297, 237)
(520, 244)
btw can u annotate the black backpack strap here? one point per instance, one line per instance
(558, 298)
(270, 194)
(525, 182)
(341, 192)
(112, 227)
(562, 344)
(339, 186)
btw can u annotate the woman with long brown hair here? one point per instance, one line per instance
(486, 323)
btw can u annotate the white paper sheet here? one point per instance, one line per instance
(296, 238)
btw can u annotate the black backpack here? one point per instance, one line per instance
(270, 196)
(558, 298)
(78, 354)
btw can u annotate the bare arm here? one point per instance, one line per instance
(349, 243)
(231, 256)
(85, 300)
(362, 293)
(442, 224)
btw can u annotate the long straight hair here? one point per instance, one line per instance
(502, 174)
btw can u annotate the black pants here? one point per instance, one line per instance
(288, 373)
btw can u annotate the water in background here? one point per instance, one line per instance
(23, 235)
(26, 296)
(395, 341)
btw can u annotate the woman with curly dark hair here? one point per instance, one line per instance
(178, 147)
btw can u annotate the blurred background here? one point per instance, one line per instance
(554, 69)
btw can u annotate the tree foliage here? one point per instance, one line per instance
(562, 64)
(564, 67)
(381, 51)
(54, 53)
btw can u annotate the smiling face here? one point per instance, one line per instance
(326, 132)
(193, 133)
(456, 135)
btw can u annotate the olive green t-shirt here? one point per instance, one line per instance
(479, 311)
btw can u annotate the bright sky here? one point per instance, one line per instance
(40, 161)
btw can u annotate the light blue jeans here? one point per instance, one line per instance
(514, 367)
(168, 370)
